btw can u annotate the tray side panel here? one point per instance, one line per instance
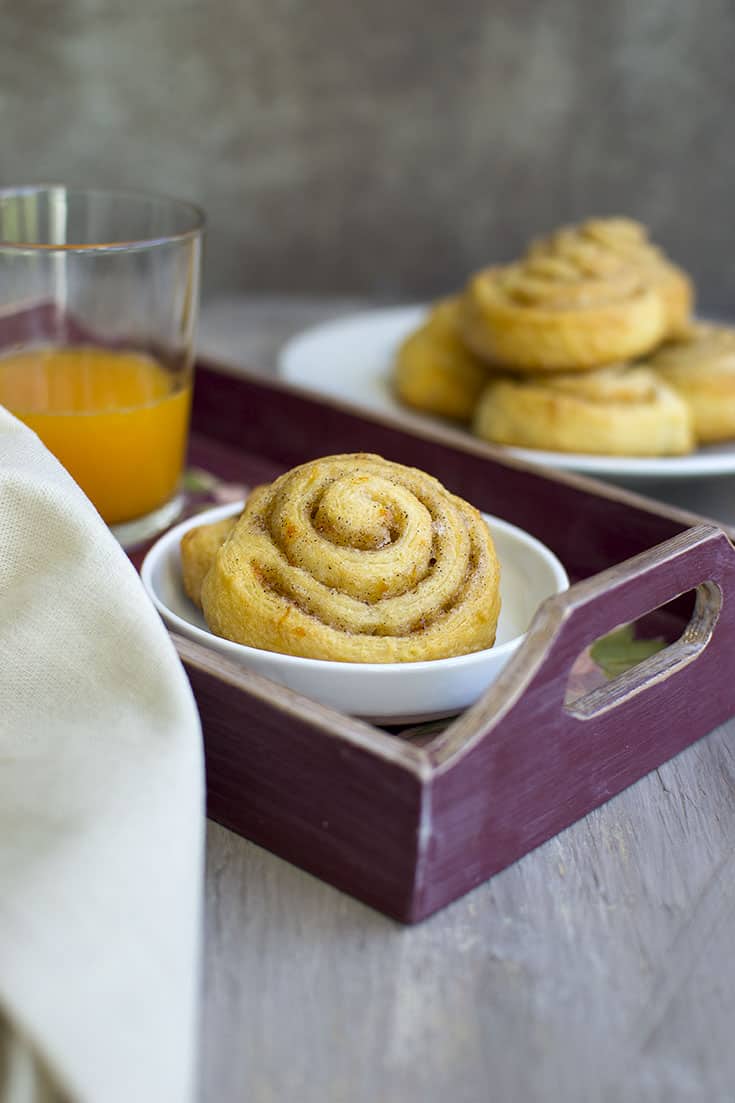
(543, 768)
(586, 530)
(335, 810)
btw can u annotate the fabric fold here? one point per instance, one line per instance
(101, 805)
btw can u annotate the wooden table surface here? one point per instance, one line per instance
(599, 967)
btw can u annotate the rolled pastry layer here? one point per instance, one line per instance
(618, 410)
(434, 371)
(700, 366)
(199, 546)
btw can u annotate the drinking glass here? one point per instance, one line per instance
(99, 296)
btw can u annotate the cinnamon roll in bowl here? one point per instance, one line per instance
(356, 559)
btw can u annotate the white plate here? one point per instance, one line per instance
(352, 358)
(385, 692)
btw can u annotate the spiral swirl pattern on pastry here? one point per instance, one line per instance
(573, 305)
(627, 241)
(434, 371)
(700, 366)
(618, 410)
(357, 559)
(623, 237)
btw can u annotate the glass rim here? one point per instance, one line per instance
(198, 219)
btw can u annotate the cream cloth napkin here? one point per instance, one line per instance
(101, 808)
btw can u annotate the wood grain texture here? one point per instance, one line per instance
(599, 967)
(333, 794)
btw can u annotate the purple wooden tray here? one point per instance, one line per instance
(408, 828)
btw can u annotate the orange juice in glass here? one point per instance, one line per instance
(98, 305)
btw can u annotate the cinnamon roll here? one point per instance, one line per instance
(357, 559)
(434, 371)
(618, 410)
(572, 306)
(700, 366)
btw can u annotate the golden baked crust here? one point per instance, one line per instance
(434, 371)
(357, 559)
(700, 366)
(617, 410)
(628, 240)
(677, 290)
(198, 549)
(569, 306)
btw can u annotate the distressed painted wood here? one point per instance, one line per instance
(330, 793)
(520, 766)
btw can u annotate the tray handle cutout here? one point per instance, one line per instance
(663, 664)
(534, 685)
(532, 689)
(701, 559)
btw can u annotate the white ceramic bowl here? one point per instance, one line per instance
(384, 692)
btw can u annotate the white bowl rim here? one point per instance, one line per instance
(161, 548)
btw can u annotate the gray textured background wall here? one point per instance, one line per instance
(384, 146)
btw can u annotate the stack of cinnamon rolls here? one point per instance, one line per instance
(585, 344)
